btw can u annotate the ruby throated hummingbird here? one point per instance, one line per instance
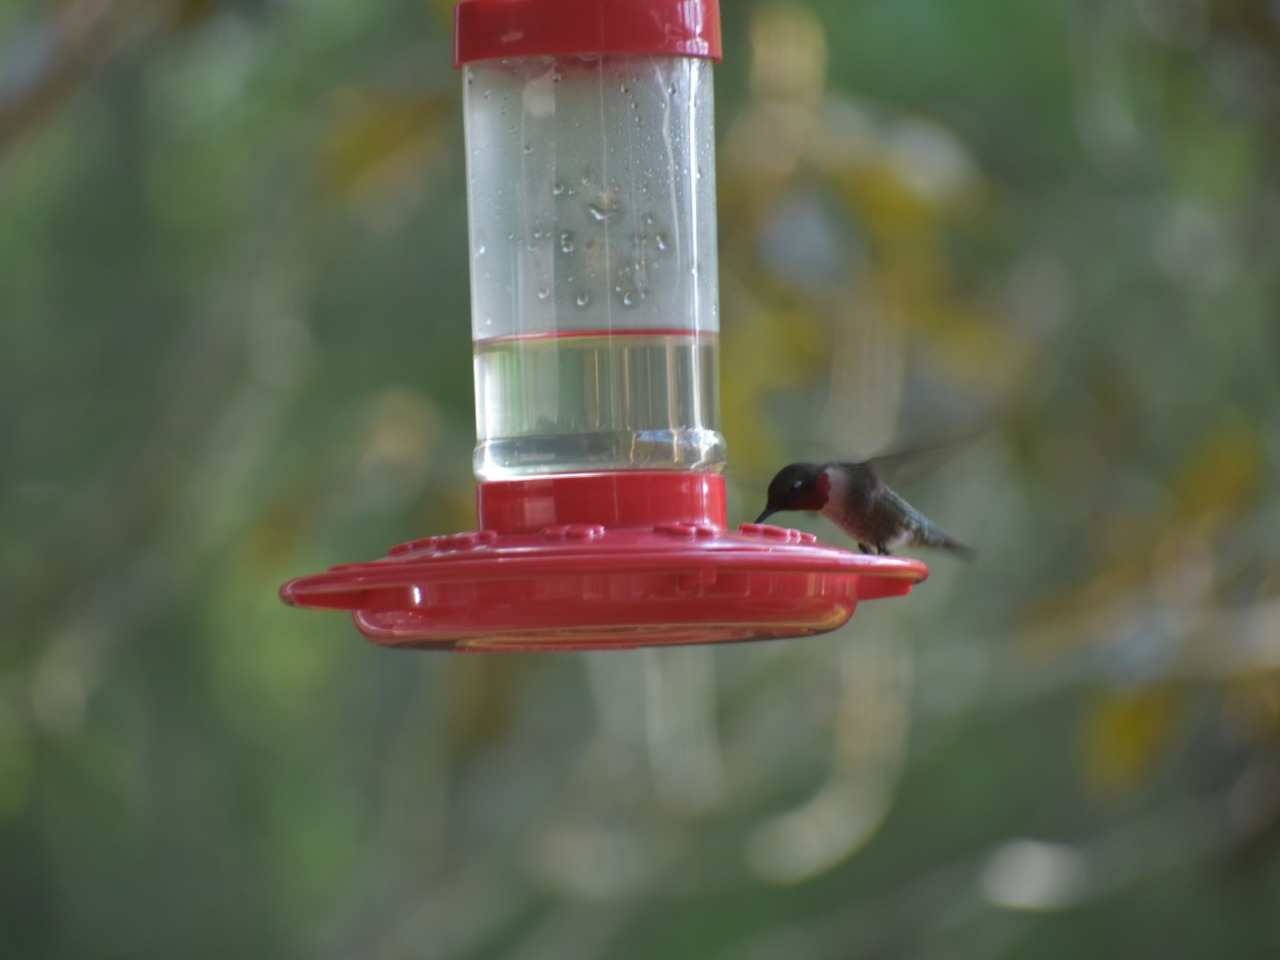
(855, 499)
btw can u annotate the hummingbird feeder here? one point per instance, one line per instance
(601, 505)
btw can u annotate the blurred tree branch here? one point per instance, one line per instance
(57, 54)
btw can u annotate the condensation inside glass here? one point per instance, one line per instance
(591, 194)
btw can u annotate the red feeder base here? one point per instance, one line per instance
(604, 561)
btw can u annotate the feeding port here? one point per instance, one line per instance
(596, 323)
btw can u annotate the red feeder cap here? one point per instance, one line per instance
(492, 29)
(604, 561)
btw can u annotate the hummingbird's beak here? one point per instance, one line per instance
(767, 513)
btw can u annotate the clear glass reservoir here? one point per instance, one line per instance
(591, 191)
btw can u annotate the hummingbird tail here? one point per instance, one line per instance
(967, 554)
(933, 536)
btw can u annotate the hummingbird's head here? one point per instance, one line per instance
(798, 486)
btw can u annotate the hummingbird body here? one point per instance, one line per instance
(859, 502)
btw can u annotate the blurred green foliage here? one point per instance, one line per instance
(233, 341)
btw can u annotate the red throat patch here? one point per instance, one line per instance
(821, 492)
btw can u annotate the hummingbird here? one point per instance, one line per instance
(859, 502)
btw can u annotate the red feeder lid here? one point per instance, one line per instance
(604, 561)
(491, 29)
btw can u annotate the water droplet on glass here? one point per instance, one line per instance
(622, 88)
(528, 148)
(648, 219)
(566, 242)
(598, 214)
(480, 250)
(543, 293)
(555, 76)
(672, 90)
(557, 188)
(661, 241)
(628, 299)
(583, 299)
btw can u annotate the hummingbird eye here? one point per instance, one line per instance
(795, 487)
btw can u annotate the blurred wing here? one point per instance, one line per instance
(906, 466)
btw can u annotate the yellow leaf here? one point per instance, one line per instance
(1127, 734)
(380, 142)
(1222, 473)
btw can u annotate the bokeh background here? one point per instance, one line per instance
(234, 348)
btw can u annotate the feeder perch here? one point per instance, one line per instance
(595, 321)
